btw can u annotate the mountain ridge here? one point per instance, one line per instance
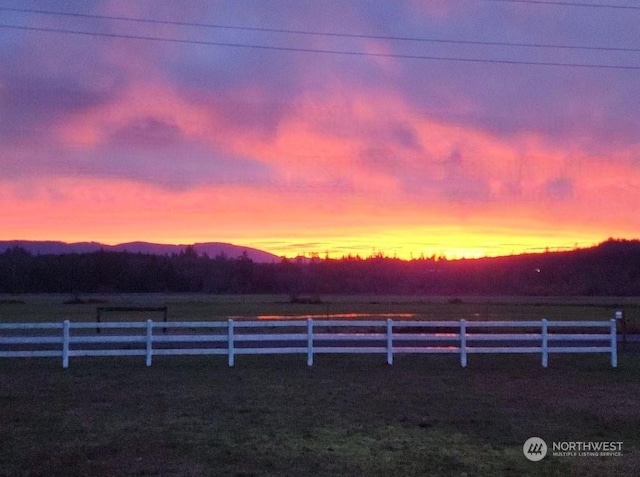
(212, 249)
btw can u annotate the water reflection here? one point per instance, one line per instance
(338, 316)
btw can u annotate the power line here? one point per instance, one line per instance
(324, 51)
(572, 4)
(319, 33)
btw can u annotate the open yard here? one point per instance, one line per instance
(346, 415)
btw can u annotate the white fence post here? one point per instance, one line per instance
(149, 342)
(389, 341)
(545, 343)
(463, 343)
(66, 327)
(614, 345)
(230, 343)
(309, 342)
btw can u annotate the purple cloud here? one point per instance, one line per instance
(351, 128)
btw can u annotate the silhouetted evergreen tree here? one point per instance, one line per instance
(612, 268)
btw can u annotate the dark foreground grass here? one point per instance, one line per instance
(347, 415)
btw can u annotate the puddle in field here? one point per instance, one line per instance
(338, 316)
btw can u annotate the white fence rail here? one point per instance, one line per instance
(307, 337)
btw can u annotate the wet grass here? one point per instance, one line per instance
(346, 415)
(205, 307)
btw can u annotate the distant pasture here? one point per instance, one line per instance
(57, 307)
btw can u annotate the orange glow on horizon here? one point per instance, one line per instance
(102, 211)
(450, 245)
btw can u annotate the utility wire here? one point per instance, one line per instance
(571, 4)
(319, 33)
(323, 51)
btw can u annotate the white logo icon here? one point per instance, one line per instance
(534, 449)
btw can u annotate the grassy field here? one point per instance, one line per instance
(346, 415)
(205, 307)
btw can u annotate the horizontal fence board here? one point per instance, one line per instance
(349, 323)
(349, 349)
(270, 323)
(107, 339)
(504, 349)
(31, 354)
(109, 325)
(31, 326)
(31, 340)
(580, 324)
(426, 337)
(190, 338)
(349, 336)
(270, 337)
(580, 349)
(190, 324)
(503, 324)
(503, 337)
(284, 350)
(189, 351)
(106, 352)
(425, 349)
(426, 324)
(579, 337)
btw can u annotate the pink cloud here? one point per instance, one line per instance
(104, 135)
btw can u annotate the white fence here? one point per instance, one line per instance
(307, 337)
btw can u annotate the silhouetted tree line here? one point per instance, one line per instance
(611, 268)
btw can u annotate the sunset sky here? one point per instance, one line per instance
(413, 127)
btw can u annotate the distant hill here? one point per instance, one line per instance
(212, 249)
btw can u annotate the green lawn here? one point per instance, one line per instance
(347, 415)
